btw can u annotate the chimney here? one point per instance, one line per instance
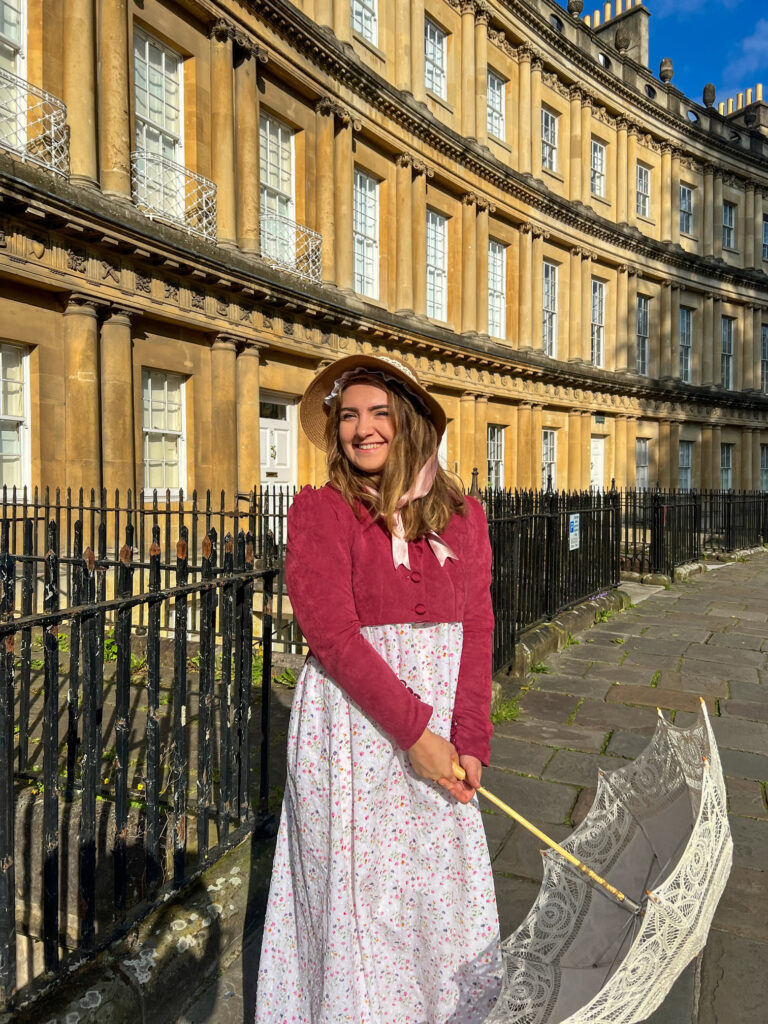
(634, 18)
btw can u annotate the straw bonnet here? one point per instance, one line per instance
(313, 409)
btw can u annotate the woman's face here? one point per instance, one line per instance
(366, 428)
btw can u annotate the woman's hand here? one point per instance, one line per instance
(432, 757)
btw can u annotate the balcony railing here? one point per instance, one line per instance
(33, 124)
(291, 246)
(168, 191)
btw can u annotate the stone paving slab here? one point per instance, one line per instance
(664, 648)
(696, 683)
(680, 1000)
(750, 841)
(655, 662)
(521, 855)
(580, 769)
(743, 908)
(583, 805)
(498, 827)
(739, 689)
(744, 765)
(746, 797)
(570, 737)
(624, 673)
(658, 697)
(688, 634)
(732, 980)
(595, 714)
(738, 734)
(626, 744)
(548, 707)
(741, 641)
(753, 711)
(519, 756)
(578, 686)
(722, 656)
(515, 897)
(540, 802)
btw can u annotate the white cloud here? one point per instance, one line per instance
(750, 64)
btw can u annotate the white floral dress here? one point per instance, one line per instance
(382, 907)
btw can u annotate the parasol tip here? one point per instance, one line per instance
(659, 712)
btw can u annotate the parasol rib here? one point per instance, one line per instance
(617, 894)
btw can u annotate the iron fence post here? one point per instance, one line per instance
(656, 553)
(7, 824)
(729, 545)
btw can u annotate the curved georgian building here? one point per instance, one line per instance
(201, 202)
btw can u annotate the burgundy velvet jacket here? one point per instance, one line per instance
(340, 576)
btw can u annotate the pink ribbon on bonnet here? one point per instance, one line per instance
(421, 487)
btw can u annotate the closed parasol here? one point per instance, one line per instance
(592, 950)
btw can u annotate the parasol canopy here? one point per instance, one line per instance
(657, 831)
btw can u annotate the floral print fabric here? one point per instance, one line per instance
(382, 907)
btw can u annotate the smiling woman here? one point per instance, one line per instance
(382, 904)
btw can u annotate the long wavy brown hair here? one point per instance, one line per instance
(414, 442)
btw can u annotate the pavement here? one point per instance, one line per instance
(593, 705)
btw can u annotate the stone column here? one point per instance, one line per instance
(665, 193)
(247, 367)
(715, 471)
(717, 209)
(675, 197)
(79, 89)
(344, 173)
(481, 436)
(586, 449)
(758, 243)
(575, 95)
(621, 171)
(706, 458)
(661, 358)
(535, 129)
(404, 235)
(749, 224)
(622, 319)
(586, 306)
(324, 167)
(224, 414)
(525, 445)
(620, 450)
(536, 474)
(525, 304)
(118, 458)
(468, 264)
(631, 181)
(223, 130)
(708, 341)
(674, 454)
(756, 446)
(467, 8)
(524, 111)
(511, 446)
(575, 321)
(708, 213)
(740, 346)
(417, 50)
(481, 74)
(247, 58)
(717, 342)
(747, 439)
(586, 148)
(633, 275)
(467, 428)
(630, 477)
(115, 142)
(403, 45)
(82, 400)
(575, 482)
(537, 288)
(420, 238)
(483, 216)
(674, 337)
(755, 368)
(342, 21)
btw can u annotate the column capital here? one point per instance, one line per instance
(404, 160)
(538, 232)
(586, 99)
(226, 341)
(468, 199)
(576, 250)
(667, 149)
(525, 228)
(484, 204)
(575, 93)
(80, 302)
(248, 48)
(622, 124)
(221, 30)
(634, 130)
(482, 13)
(467, 7)
(525, 53)
(248, 347)
(622, 268)
(420, 167)
(328, 106)
(666, 284)
(120, 311)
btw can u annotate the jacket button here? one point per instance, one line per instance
(415, 576)
(419, 609)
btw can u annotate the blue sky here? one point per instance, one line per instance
(720, 41)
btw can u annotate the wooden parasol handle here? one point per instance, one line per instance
(617, 894)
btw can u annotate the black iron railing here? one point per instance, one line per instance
(126, 703)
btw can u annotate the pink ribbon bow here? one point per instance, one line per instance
(421, 487)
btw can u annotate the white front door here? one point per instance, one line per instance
(277, 440)
(597, 463)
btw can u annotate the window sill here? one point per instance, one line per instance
(646, 220)
(689, 238)
(730, 249)
(440, 101)
(553, 174)
(601, 199)
(499, 142)
(372, 47)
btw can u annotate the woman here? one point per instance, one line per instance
(382, 906)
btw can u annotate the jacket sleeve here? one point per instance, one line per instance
(318, 574)
(471, 729)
